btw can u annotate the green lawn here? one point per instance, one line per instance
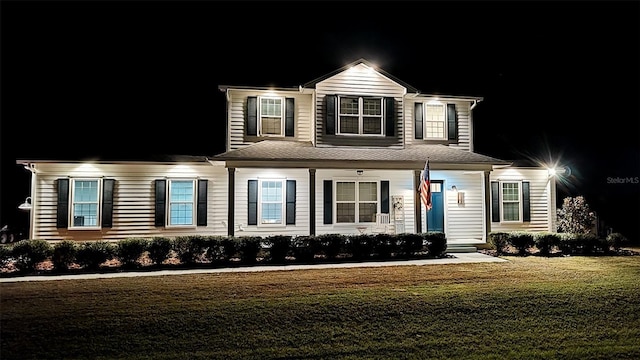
(527, 308)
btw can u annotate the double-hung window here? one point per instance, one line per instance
(271, 119)
(85, 203)
(271, 202)
(356, 201)
(511, 201)
(181, 202)
(435, 121)
(360, 115)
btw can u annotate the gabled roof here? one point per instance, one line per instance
(274, 150)
(312, 84)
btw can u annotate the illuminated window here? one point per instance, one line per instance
(85, 203)
(360, 115)
(511, 202)
(271, 116)
(435, 121)
(356, 201)
(271, 201)
(181, 202)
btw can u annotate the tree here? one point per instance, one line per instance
(575, 216)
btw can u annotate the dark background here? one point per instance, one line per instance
(560, 80)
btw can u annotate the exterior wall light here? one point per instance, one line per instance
(26, 205)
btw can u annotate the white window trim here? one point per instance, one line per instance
(72, 203)
(361, 116)
(356, 201)
(444, 122)
(282, 115)
(520, 208)
(283, 205)
(193, 203)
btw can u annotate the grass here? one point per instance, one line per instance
(527, 308)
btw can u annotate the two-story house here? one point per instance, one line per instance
(341, 154)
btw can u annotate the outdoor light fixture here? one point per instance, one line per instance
(359, 172)
(26, 205)
(454, 188)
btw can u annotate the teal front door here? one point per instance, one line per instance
(435, 216)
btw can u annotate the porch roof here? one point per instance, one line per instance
(274, 150)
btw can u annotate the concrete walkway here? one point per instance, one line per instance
(456, 258)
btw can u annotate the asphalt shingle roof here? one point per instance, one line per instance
(305, 151)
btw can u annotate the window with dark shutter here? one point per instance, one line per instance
(252, 202)
(62, 210)
(291, 202)
(160, 202)
(452, 121)
(252, 116)
(384, 196)
(108, 187)
(526, 206)
(327, 189)
(390, 116)
(495, 201)
(330, 114)
(202, 202)
(289, 121)
(418, 120)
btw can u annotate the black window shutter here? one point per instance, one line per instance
(526, 205)
(330, 114)
(384, 196)
(252, 116)
(291, 202)
(495, 201)
(289, 121)
(452, 120)
(418, 118)
(62, 218)
(390, 116)
(328, 202)
(202, 202)
(161, 196)
(253, 202)
(108, 186)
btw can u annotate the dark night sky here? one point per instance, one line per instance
(122, 79)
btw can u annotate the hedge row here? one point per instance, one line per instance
(546, 243)
(26, 255)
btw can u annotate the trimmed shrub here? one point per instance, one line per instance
(249, 248)
(385, 245)
(522, 241)
(499, 240)
(190, 249)
(332, 245)
(305, 248)
(436, 243)
(360, 246)
(616, 241)
(159, 249)
(545, 242)
(92, 254)
(129, 251)
(279, 247)
(410, 244)
(214, 251)
(229, 248)
(64, 254)
(6, 256)
(29, 253)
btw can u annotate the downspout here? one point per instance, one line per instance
(34, 198)
(471, 128)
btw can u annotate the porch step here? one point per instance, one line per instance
(456, 248)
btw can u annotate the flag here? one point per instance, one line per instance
(425, 187)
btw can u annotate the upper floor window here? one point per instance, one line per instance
(356, 201)
(360, 115)
(181, 202)
(435, 121)
(85, 203)
(271, 119)
(511, 201)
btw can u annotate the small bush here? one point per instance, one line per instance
(159, 249)
(521, 241)
(436, 244)
(499, 240)
(616, 241)
(229, 248)
(6, 256)
(249, 248)
(332, 245)
(410, 244)
(92, 254)
(279, 247)
(545, 242)
(305, 248)
(385, 245)
(190, 249)
(30, 253)
(360, 246)
(129, 251)
(64, 254)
